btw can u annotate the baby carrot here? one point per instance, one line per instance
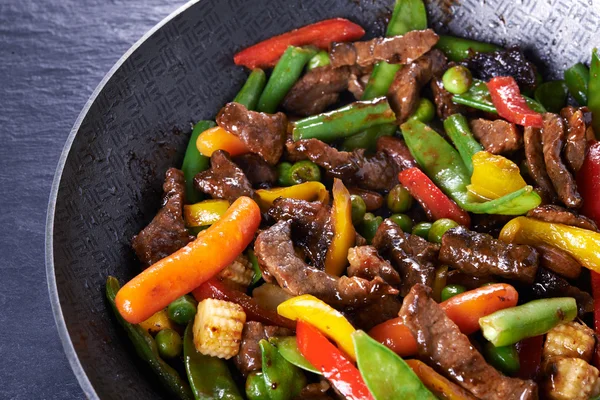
(217, 138)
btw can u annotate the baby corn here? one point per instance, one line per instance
(218, 328)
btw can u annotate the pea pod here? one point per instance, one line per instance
(288, 348)
(283, 380)
(194, 162)
(458, 49)
(457, 128)
(146, 349)
(252, 89)
(209, 376)
(386, 374)
(577, 78)
(478, 97)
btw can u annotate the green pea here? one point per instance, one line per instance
(399, 199)
(369, 225)
(403, 221)
(359, 208)
(457, 80)
(451, 291)
(425, 111)
(305, 171)
(503, 358)
(283, 174)
(422, 229)
(169, 343)
(438, 228)
(182, 310)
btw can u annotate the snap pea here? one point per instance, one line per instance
(182, 310)
(146, 349)
(422, 229)
(438, 228)
(399, 200)
(368, 227)
(451, 291)
(478, 97)
(168, 343)
(321, 59)
(593, 94)
(577, 78)
(252, 89)
(457, 128)
(209, 377)
(503, 358)
(380, 80)
(288, 348)
(359, 208)
(403, 221)
(283, 380)
(458, 49)
(194, 162)
(425, 110)
(457, 79)
(552, 95)
(368, 138)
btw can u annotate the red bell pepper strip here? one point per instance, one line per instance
(436, 204)
(530, 356)
(509, 103)
(321, 353)
(321, 34)
(213, 289)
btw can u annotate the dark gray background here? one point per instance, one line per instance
(53, 53)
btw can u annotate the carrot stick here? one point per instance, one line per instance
(186, 269)
(217, 138)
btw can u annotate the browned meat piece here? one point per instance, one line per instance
(397, 150)
(373, 200)
(479, 254)
(166, 233)
(315, 391)
(576, 137)
(397, 49)
(366, 263)
(498, 136)
(372, 172)
(317, 90)
(258, 172)
(375, 313)
(357, 83)
(547, 285)
(264, 134)
(560, 215)
(413, 256)
(534, 158)
(443, 346)
(455, 277)
(553, 138)
(224, 179)
(249, 358)
(403, 94)
(311, 226)
(276, 256)
(442, 98)
(488, 223)
(558, 261)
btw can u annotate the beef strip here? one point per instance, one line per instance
(357, 83)
(558, 261)
(547, 285)
(413, 256)
(224, 179)
(397, 151)
(373, 200)
(479, 254)
(505, 62)
(366, 263)
(560, 215)
(258, 172)
(576, 137)
(397, 49)
(534, 159)
(455, 277)
(373, 314)
(311, 226)
(442, 98)
(316, 90)
(498, 136)
(403, 94)
(276, 256)
(315, 391)
(443, 346)
(372, 172)
(166, 233)
(264, 134)
(553, 138)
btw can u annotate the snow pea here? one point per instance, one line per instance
(283, 380)
(288, 348)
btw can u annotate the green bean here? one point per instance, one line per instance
(425, 111)
(458, 49)
(439, 227)
(194, 162)
(422, 229)
(451, 291)
(593, 94)
(182, 310)
(577, 79)
(457, 128)
(252, 89)
(399, 199)
(503, 358)
(552, 95)
(168, 343)
(457, 79)
(380, 80)
(478, 97)
(367, 139)
(321, 59)
(359, 208)
(403, 221)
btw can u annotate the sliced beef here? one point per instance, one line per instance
(498, 136)
(547, 285)
(455, 277)
(558, 261)
(443, 346)
(372, 172)
(576, 137)
(397, 151)
(553, 138)
(505, 62)
(403, 94)
(264, 134)
(560, 215)
(534, 158)
(375, 313)
(166, 233)
(442, 98)
(224, 179)
(366, 263)
(489, 223)
(479, 254)
(256, 169)
(276, 257)
(357, 83)
(315, 391)
(373, 200)
(397, 49)
(311, 226)
(316, 90)
(413, 256)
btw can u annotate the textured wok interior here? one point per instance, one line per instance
(139, 125)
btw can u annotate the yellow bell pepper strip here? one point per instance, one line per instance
(344, 234)
(309, 191)
(158, 322)
(322, 316)
(494, 176)
(205, 213)
(441, 387)
(581, 244)
(217, 138)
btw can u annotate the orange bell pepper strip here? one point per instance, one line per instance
(309, 191)
(344, 234)
(464, 310)
(441, 387)
(204, 213)
(189, 267)
(217, 138)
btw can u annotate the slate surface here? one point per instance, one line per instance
(53, 53)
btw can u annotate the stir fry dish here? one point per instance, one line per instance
(412, 216)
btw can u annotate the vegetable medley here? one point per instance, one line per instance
(410, 216)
